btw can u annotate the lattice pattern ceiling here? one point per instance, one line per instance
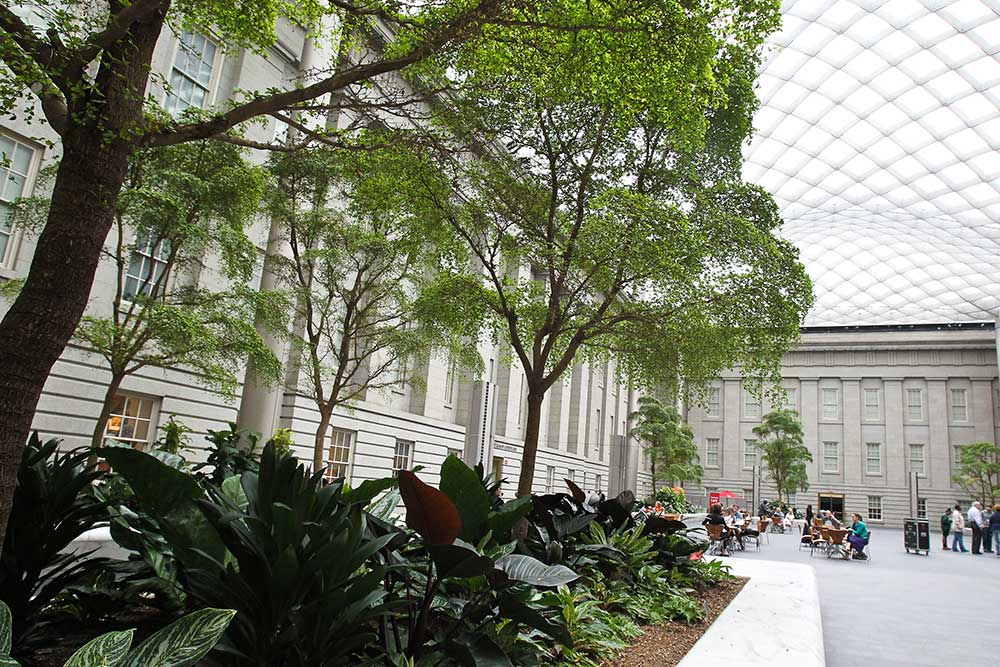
(879, 135)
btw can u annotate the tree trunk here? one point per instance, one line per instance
(534, 421)
(97, 439)
(45, 314)
(320, 444)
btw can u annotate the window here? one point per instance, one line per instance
(714, 408)
(831, 456)
(873, 405)
(921, 508)
(147, 266)
(192, 73)
(550, 479)
(599, 483)
(915, 404)
(599, 435)
(751, 405)
(875, 508)
(712, 453)
(497, 468)
(15, 163)
(402, 458)
(571, 475)
(257, 275)
(791, 399)
(831, 403)
(449, 382)
(749, 454)
(338, 454)
(959, 405)
(400, 374)
(917, 459)
(873, 458)
(956, 453)
(130, 419)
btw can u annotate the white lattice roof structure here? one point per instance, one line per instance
(879, 135)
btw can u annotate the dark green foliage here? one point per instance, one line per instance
(52, 507)
(232, 454)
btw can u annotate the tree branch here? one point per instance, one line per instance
(117, 27)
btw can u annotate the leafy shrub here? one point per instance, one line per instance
(52, 507)
(180, 644)
(673, 500)
(232, 453)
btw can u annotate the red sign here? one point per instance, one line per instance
(713, 498)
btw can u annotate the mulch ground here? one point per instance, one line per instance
(665, 645)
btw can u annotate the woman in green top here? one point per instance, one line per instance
(858, 537)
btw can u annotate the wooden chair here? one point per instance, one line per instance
(776, 525)
(821, 542)
(716, 544)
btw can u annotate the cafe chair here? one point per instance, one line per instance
(716, 544)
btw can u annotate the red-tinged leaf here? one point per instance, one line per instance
(695, 556)
(575, 490)
(428, 511)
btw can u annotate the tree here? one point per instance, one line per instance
(780, 441)
(979, 471)
(88, 69)
(669, 442)
(615, 224)
(362, 256)
(180, 207)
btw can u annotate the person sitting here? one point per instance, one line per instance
(858, 539)
(830, 521)
(715, 518)
(738, 515)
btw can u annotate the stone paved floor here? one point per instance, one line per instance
(903, 610)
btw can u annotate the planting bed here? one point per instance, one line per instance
(666, 644)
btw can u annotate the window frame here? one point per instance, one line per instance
(150, 254)
(550, 479)
(210, 88)
(713, 405)
(710, 451)
(952, 407)
(151, 421)
(868, 458)
(411, 445)
(919, 393)
(869, 407)
(348, 465)
(835, 392)
(749, 400)
(791, 401)
(921, 508)
(910, 449)
(874, 507)
(449, 381)
(826, 457)
(8, 256)
(749, 443)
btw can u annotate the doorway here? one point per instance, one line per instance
(833, 502)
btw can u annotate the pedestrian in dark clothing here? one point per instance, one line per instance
(987, 531)
(809, 520)
(995, 528)
(945, 529)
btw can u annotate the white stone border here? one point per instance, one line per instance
(774, 621)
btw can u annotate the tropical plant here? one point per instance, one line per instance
(52, 507)
(684, 608)
(594, 631)
(673, 500)
(979, 471)
(181, 644)
(232, 453)
(780, 442)
(175, 438)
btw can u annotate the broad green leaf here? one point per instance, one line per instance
(6, 629)
(7, 661)
(182, 643)
(385, 506)
(459, 560)
(233, 488)
(533, 571)
(108, 650)
(502, 520)
(157, 485)
(466, 490)
(367, 490)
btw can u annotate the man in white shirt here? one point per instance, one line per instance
(975, 517)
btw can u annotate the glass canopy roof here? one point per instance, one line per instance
(879, 135)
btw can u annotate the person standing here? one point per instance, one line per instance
(975, 517)
(958, 530)
(995, 528)
(987, 530)
(945, 529)
(809, 519)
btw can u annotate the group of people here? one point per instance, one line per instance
(735, 526)
(857, 536)
(985, 526)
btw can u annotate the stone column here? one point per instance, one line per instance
(895, 450)
(852, 431)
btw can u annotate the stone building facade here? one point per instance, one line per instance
(876, 404)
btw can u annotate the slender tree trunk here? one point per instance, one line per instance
(45, 314)
(320, 444)
(530, 453)
(97, 439)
